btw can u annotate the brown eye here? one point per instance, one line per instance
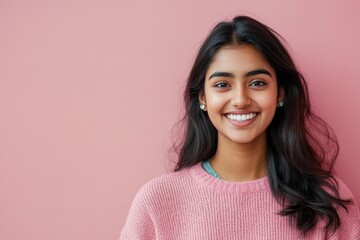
(257, 83)
(221, 85)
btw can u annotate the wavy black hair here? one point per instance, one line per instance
(302, 148)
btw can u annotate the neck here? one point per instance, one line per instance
(240, 162)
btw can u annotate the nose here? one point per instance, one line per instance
(240, 98)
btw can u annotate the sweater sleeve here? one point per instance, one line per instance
(349, 219)
(139, 225)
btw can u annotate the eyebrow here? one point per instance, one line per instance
(248, 74)
(257, 72)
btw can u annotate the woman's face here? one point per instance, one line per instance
(241, 94)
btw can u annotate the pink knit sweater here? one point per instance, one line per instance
(191, 204)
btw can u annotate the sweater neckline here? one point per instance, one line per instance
(204, 179)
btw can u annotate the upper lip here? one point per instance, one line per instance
(240, 112)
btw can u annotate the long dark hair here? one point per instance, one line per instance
(302, 148)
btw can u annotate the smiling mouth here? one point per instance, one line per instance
(241, 117)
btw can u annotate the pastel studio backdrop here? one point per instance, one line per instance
(90, 90)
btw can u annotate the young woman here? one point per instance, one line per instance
(255, 161)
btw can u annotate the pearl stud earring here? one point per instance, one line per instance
(281, 103)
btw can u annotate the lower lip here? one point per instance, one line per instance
(243, 123)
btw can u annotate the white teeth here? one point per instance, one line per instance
(241, 117)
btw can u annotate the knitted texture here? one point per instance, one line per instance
(191, 204)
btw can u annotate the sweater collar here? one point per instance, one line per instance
(204, 179)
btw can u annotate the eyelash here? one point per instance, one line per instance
(221, 83)
(256, 83)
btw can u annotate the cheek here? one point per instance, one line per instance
(268, 100)
(213, 99)
(214, 102)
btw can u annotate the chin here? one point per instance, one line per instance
(245, 140)
(248, 139)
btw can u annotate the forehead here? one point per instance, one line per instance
(238, 59)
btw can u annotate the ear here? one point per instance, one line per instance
(281, 93)
(202, 98)
(280, 97)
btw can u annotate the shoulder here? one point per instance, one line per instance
(343, 189)
(349, 217)
(345, 193)
(150, 201)
(163, 188)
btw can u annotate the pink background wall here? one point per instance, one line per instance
(89, 92)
